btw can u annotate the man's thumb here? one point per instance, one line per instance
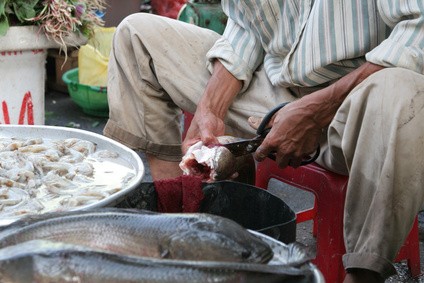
(254, 122)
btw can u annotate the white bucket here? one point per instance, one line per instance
(23, 53)
(22, 76)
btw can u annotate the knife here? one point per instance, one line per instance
(245, 146)
(248, 146)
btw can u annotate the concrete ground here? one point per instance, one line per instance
(62, 111)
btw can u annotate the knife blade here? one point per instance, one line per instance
(243, 147)
(249, 146)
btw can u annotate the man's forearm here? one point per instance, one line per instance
(328, 100)
(220, 91)
(223, 87)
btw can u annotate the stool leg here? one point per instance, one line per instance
(411, 251)
(263, 174)
(315, 224)
(187, 121)
(330, 244)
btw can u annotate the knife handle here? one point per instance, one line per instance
(263, 131)
(304, 162)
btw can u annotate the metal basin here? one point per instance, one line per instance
(127, 156)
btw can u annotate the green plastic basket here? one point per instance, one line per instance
(92, 99)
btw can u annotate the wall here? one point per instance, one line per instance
(117, 10)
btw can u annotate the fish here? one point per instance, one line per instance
(46, 261)
(184, 236)
(216, 162)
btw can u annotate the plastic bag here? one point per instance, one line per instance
(93, 58)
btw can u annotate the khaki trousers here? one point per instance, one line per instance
(157, 67)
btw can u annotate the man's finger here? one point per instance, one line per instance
(254, 122)
(261, 153)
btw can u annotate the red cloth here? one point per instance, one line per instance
(182, 194)
(192, 193)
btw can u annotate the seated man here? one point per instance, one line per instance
(352, 70)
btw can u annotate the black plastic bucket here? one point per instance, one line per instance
(254, 208)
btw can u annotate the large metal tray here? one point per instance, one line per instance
(126, 157)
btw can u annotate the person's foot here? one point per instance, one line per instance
(362, 276)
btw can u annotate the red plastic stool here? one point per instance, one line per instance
(329, 189)
(187, 121)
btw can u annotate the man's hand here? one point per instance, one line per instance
(208, 120)
(294, 135)
(205, 126)
(297, 127)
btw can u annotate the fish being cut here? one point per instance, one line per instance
(213, 163)
(45, 261)
(184, 236)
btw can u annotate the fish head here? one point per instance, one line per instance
(211, 163)
(224, 165)
(231, 242)
(209, 246)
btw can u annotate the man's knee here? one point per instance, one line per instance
(397, 82)
(391, 90)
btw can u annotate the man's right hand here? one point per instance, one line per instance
(208, 120)
(205, 127)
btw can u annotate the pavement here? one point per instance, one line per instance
(62, 111)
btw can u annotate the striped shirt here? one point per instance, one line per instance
(310, 42)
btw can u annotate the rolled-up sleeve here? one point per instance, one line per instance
(404, 47)
(238, 49)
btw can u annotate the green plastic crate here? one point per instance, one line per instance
(92, 99)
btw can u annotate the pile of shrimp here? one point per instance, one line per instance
(40, 175)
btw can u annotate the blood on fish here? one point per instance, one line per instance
(198, 169)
